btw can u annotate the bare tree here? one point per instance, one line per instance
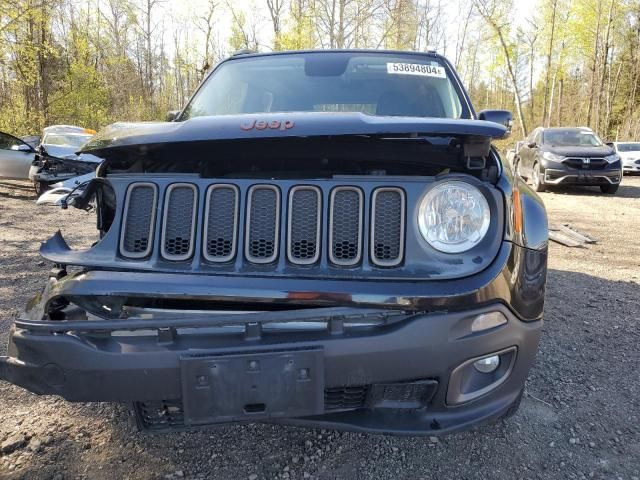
(530, 37)
(206, 24)
(243, 32)
(430, 29)
(494, 14)
(466, 12)
(276, 9)
(545, 112)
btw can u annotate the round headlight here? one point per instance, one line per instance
(454, 216)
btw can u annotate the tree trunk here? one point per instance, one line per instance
(594, 69)
(545, 118)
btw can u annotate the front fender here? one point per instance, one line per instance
(526, 217)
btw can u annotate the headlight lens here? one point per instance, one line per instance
(612, 158)
(552, 156)
(454, 217)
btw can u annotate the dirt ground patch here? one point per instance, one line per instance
(580, 417)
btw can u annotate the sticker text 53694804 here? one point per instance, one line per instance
(416, 69)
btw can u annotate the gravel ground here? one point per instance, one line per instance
(579, 418)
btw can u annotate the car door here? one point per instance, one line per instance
(15, 157)
(524, 154)
(533, 144)
(535, 150)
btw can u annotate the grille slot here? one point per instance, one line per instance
(136, 237)
(345, 398)
(221, 223)
(178, 226)
(263, 224)
(345, 226)
(304, 215)
(160, 415)
(387, 226)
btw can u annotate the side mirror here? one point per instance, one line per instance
(503, 117)
(532, 145)
(172, 115)
(610, 144)
(22, 147)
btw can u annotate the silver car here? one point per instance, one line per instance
(16, 157)
(55, 158)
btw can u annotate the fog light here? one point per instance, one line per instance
(488, 364)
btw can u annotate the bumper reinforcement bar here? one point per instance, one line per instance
(335, 317)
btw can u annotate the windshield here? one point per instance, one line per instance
(65, 140)
(571, 138)
(629, 147)
(375, 84)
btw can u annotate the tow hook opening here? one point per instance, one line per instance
(251, 408)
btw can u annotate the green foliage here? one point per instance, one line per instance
(402, 26)
(298, 33)
(127, 60)
(84, 99)
(82, 96)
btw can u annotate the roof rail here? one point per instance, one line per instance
(244, 51)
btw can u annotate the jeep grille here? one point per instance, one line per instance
(294, 222)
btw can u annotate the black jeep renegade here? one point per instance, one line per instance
(317, 238)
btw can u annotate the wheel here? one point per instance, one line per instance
(40, 187)
(610, 188)
(538, 182)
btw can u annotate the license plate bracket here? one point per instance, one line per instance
(250, 386)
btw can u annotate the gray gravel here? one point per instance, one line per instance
(579, 418)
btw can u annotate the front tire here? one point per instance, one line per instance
(40, 187)
(609, 189)
(538, 182)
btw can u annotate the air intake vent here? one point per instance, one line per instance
(345, 398)
(136, 238)
(345, 226)
(305, 206)
(221, 227)
(263, 224)
(387, 226)
(178, 228)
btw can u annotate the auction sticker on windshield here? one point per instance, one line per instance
(416, 69)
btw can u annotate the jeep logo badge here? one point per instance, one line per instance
(263, 125)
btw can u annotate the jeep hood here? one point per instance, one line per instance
(127, 136)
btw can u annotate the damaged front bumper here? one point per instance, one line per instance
(407, 374)
(359, 355)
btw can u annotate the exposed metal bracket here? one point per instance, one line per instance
(336, 325)
(166, 335)
(476, 163)
(253, 331)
